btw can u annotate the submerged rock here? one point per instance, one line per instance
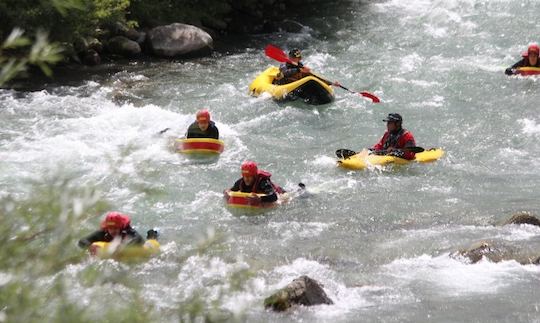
(523, 218)
(303, 290)
(498, 251)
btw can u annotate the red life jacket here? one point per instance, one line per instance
(261, 174)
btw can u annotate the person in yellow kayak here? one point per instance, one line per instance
(530, 59)
(395, 139)
(293, 70)
(115, 225)
(257, 182)
(203, 127)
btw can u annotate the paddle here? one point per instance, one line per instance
(347, 153)
(280, 56)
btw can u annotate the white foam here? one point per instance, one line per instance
(530, 127)
(451, 277)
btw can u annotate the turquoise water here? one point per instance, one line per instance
(379, 240)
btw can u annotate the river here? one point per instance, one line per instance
(378, 240)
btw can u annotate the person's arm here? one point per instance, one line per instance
(236, 186)
(134, 238)
(512, 70)
(289, 70)
(266, 187)
(214, 132)
(406, 141)
(379, 146)
(88, 240)
(189, 132)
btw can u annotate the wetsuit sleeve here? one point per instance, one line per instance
(88, 240)
(380, 145)
(289, 70)
(521, 63)
(236, 186)
(134, 237)
(266, 187)
(214, 132)
(191, 131)
(407, 140)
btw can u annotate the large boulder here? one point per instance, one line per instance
(123, 46)
(303, 291)
(179, 40)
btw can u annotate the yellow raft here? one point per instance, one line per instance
(105, 250)
(363, 160)
(310, 88)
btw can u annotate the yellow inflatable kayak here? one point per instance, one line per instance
(118, 252)
(310, 89)
(363, 160)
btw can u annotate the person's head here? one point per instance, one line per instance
(393, 121)
(152, 234)
(249, 172)
(115, 222)
(532, 53)
(203, 119)
(295, 55)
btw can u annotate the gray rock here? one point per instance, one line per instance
(523, 218)
(123, 46)
(91, 57)
(499, 251)
(179, 40)
(94, 44)
(303, 291)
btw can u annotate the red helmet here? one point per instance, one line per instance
(533, 48)
(115, 220)
(249, 168)
(203, 115)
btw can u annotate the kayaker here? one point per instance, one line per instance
(114, 225)
(395, 139)
(530, 59)
(257, 182)
(294, 70)
(203, 127)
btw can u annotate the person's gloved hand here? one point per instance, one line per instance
(396, 153)
(510, 71)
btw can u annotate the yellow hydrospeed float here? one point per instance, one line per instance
(363, 159)
(310, 89)
(525, 71)
(130, 253)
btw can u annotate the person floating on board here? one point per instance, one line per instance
(530, 59)
(394, 139)
(293, 70)
(257, 182)
(114, 225)
(203, 127)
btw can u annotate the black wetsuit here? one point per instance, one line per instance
(522, 63)
(195, 132)
(289, 73)
(129, 234)
(263, 186)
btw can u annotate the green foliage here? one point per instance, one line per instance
(37, 236)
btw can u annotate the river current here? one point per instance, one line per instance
(378, 240)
